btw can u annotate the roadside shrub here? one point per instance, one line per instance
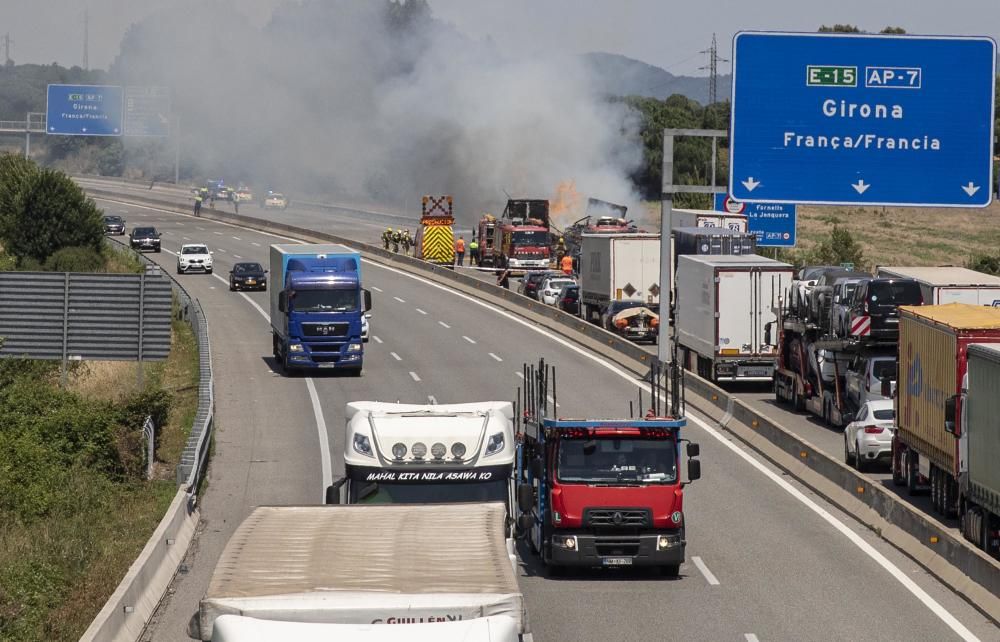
(75, 259)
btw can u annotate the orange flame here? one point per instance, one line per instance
(567, 205)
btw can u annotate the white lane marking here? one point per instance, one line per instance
(324, 439)
(919, 593)
(179, 224)
(421, 311)
(168, 251)
(432, 399)
(396, 356)
(236, 238)
(932, 604)
(377, 340)
(186, 238)
(444, 325)
(377, 289)
(709, 577)
(750, 637)
(414, 375)
(495, 357)
(398, 299)
(470, 340)
(219, 233)
(255, 243)
(248, 299)
(168, 233)
(237, 256)
(520, 374)
(124, 211)
(220, 249)
(201, 229)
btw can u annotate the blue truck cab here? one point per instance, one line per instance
(317, 307)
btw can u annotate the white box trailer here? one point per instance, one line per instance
(364, 565)
(947, 284)
(727, 315)
(618, 267)
(709, 218)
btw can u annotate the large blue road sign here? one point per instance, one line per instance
(862, 119)
(773, 223)
(147, 111)
(84, 110)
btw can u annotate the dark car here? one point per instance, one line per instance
(144, 238)
(248, 276)
(821, 295)
(640, 327)
(114, 225)
(531, 281)
(875, 307)
(569, 299)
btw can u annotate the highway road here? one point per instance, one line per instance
(767, 559)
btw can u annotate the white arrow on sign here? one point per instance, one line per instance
(860, 186)
(750, 184)
(970, 189)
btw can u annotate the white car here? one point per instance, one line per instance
(869, 437)
(274, 200)
(365, 327)
(548, 291)
(194, 257)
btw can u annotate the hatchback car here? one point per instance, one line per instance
(869, 437)
(875, 307)
(194, 257)
(275, 201)
(548, 291)
(248, 276)
(144, 238)
(569, 299)
(114, 225)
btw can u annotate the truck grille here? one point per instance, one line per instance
(617, 546)
(617, 517)
(325, 329)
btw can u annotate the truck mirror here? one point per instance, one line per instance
(693, 449)
(694, 469)
(282, 301)
(333, 491)
(525, 522)
(368, 300)
(537, 468)
(525, 497)
(950, 406)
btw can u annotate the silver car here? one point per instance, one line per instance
(865, 374)
(869, 437)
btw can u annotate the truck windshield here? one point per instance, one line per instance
(428, 493)
(325, 301)
(607, 460)
(536, 237)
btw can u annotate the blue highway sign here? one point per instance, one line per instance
(147, 111)
(773, 223)
(862, 119)
(84, 110)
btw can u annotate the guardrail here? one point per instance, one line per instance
(125, 614)
(728, 411)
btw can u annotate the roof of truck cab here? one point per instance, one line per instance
(957, 315)
(942, 276)
(393, 548)
(736, 260)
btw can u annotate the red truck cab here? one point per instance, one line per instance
(606, 492)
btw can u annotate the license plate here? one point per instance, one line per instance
(755, 372)
(616, 561)
(327, 364)
(251, 282)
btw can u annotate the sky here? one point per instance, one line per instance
(664, 33)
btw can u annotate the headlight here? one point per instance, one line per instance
(495, 444)
(296, 347)
(354, 347)
(399, 450)
(363, 445)
(419, 450)
(458, 450)
(438, 451)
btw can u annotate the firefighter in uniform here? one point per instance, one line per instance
(397, 238)
(407, 242)
(386, 238)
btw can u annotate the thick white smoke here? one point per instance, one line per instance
(335, 97)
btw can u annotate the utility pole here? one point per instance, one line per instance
(7, 43)
(86, 39)
(713, 71)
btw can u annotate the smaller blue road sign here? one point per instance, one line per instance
(84, 110)
(147, 111)
(773, 223)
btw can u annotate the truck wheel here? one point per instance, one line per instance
(947, 495)
(911, 474)
(671, 571)
(895, 465)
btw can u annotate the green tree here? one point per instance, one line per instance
(839, 248)
(838, 28)
(984, 263)
(893, 30)
(50, 212)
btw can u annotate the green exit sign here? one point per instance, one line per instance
(830, 76)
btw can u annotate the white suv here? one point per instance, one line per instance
(194, 257)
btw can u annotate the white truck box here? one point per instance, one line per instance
(727, 314)
(947, 284)
(709, 218)
(367, 564)
(619, 267)
(236, 628)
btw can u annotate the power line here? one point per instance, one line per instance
(713, 71)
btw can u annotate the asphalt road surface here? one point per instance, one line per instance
(766, 558)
